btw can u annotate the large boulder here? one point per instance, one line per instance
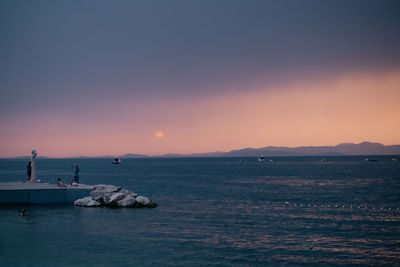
(128, 201)
(107, 188)
(102, 189)
(106, 199)
(142, 201)
(83, 201)
(99, 199)
(115, 198)
(93, 203)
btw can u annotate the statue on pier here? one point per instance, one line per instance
(29, 170)
(32, 177)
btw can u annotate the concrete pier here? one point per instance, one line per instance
(41, 193)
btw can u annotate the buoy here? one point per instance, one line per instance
(361, 207)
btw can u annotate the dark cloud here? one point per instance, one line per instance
(51, 50)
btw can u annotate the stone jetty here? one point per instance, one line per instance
(114, 196)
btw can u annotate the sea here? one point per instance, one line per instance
(286, 211)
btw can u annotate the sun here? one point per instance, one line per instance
(159, 134)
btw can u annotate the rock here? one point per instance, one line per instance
(93, 203)
(142, 201)
(83, 201)
(99, 199)
(128, 201)
(129, 193)
(101, 189)
(126, 192)
(107, 188)
(96, 193)
(115, 198)
(106, 199)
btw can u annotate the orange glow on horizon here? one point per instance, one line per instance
(352, 108)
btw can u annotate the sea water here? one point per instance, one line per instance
(213, 212)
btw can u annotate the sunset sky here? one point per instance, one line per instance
(153, 77)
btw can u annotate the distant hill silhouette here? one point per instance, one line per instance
(345, 149)
(130, 155)
(364, 148)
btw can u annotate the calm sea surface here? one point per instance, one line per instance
(213, 211)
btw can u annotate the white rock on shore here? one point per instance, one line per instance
(128, 201)
(109, 195)
(115, 198)
(143, 201)
(93, 203)
(83, 201)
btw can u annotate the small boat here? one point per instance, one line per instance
(367, 159)
(394, 159)
(116, 161)
(261, 158)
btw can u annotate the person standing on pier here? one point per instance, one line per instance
(76, 175)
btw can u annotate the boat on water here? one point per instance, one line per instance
(261, 158)
(116, 161)
(368, 159)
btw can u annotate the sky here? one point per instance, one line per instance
(92, 78)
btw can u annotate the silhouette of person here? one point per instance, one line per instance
(76, 175)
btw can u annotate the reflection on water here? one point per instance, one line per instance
(216, 212)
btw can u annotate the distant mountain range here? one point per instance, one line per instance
(130, 155)
(364, 148)
(345, 149)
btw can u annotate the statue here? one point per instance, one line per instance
(33, 178)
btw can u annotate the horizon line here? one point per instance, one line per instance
(201, 154)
